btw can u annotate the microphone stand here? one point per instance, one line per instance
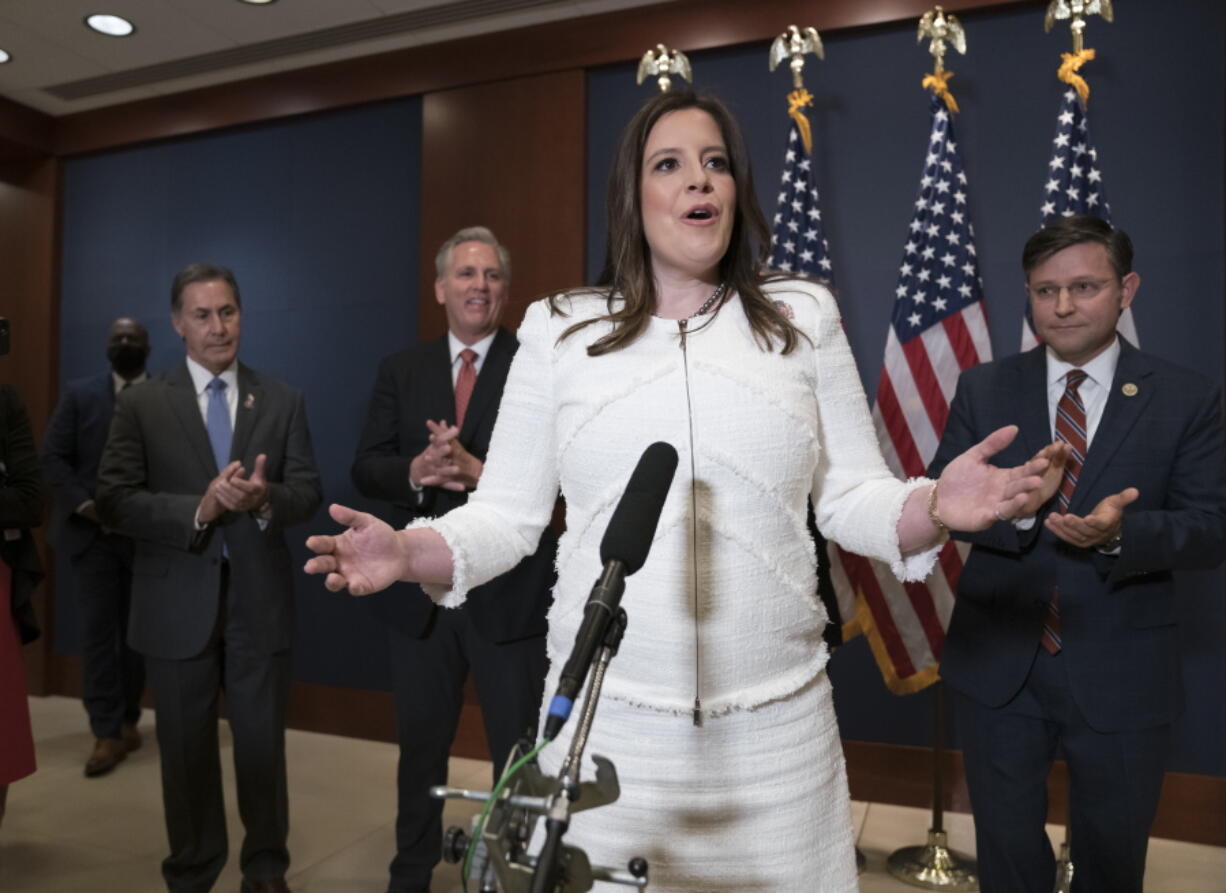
(549, 862)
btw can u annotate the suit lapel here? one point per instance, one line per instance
(1031, 391)
(1125, 406)
(250, 403)
(182, 396)
(437, 390)
(488, 389)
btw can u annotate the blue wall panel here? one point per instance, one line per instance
(1156, 116)
(318, 218)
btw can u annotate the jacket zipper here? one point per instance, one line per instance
(689, 413)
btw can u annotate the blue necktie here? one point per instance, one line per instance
(218, 422)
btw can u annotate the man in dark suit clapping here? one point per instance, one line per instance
(101, 560)
(426, 435)
(1064, 632)
(204, 468)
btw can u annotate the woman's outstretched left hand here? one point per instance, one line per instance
(366, 558)
(973, 494)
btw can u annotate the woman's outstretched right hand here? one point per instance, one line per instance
(366, 558)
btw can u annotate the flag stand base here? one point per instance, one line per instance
(1064, 871)
(933, 866)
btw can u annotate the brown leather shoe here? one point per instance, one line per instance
(131, 737)
(277, 886)
(108, 753)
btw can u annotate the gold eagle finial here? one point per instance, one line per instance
(943, 29)
(1077, 10)
(794, 44)
(660, 63)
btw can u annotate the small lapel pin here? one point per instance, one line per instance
(786, 309)
(1129, 389)
(250, 401)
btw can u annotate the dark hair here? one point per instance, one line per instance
(1069, 231)
(627, 272)
(201, 273)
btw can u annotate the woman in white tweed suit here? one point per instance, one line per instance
(717, 711)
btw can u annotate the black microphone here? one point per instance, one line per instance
(622, 551)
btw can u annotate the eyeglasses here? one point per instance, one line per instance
(1079, 289)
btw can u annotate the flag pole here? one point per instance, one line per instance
(1072, 62)
(805, 251)
(934, 866)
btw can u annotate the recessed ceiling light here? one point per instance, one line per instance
(111, 26)
(257, 2)
(4, 57)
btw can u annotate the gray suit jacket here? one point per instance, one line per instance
(154, 470)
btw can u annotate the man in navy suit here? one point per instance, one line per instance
(1063, 633)
(422, 449)
(101, 560)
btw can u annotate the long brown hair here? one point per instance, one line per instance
(627, 272)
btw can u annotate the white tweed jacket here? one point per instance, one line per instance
(724, 614)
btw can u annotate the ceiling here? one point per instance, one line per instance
(59, 66)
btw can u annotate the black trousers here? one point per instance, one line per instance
(113, 675)
(428, 679)
(1115, 781)
(186, 695)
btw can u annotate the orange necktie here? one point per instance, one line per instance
(465, 381)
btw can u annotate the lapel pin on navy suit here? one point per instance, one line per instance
(1128, 389)
(249, 402)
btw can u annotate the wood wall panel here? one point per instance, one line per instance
(24, 132)
(1192, 808)
(571, 44)
(509, 155)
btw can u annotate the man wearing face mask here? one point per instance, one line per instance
(101, 560)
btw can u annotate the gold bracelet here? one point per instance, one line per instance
(932, 512)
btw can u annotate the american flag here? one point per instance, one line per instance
(938, 329)
(799, 246)
(798, 243)
(1074, 186)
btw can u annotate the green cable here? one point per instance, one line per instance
(489, 804)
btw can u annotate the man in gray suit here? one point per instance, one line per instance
(204, 468)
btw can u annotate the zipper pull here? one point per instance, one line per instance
(681, 324)
(697, 713)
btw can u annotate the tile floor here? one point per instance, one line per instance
(67, 833)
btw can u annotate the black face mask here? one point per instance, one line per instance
(128, 360)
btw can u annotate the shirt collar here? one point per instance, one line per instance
(118, 381)
(1101, 369)
(480, 348)
(201, 376)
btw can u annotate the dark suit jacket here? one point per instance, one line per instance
(21, 507)
(155, 468)
(72, 449)
(1117, 613)
(413, 386)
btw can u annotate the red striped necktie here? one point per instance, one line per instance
(1071, 428)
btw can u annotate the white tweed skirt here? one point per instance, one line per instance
(753, 800)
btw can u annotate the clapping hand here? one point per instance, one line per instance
(1101, 526)
(445, 462)
(232, 490)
